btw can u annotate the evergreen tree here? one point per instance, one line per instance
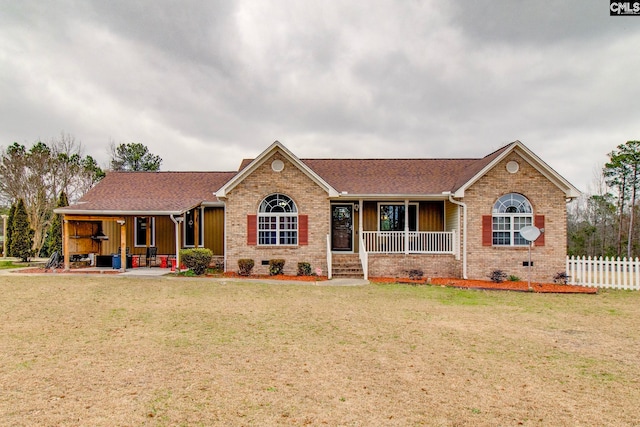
(21, 233)
(134, 157)
(53, 242)
(12, 212)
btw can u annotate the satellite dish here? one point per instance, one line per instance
(530, 233)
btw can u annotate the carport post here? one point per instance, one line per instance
(123, 245)
(65, 247)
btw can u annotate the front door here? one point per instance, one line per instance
(342, 228)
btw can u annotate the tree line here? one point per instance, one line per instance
(605, 223)
(35, 180)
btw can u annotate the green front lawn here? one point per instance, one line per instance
(4, 265)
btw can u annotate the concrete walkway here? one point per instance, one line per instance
(160, 272)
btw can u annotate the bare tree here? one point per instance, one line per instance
(38, 176)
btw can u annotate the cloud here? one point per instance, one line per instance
(207, 83)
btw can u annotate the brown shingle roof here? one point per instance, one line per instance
(391, 176)
(176, 192)
(152, 191)
(396, 176)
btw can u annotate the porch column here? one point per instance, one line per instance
(4, 235)
(148, 233)
(406, 226)
(123, 246)
(360, 227)
(65, 245)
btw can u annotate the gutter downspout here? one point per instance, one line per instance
(464, 238)
(177, 222)
(224, 231)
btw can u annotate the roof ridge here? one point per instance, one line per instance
(396, 158)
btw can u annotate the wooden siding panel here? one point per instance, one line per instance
(214, 230)
(111, 229)
(431, 216)
(165, 235)
(370, 216)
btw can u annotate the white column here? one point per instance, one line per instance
(406, 226)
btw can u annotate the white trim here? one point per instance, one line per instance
(399, 203)
(135, 232)
(463, 229)
(264, 156)
(277, 215)
(116, 212)
(353, 231)
(200, 229)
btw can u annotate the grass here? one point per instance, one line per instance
(5, 265)
(116, 351)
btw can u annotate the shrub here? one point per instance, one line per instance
(21, 234)
(416, 274)
(245, 266)
(197, 260)
(513, 278)
(497, 276)
(276, 266)
(561, 278)
(304, 269)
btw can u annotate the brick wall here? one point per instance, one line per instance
(245, 199)
(399, 265)
(546, 199)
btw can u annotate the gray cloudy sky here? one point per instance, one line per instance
(206, 83)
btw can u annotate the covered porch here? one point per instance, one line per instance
(395, 233)
(406, 226)
(122, 242)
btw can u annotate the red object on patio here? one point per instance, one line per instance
(135, 261)
(163, 260)
(173, 264)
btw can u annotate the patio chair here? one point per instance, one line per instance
(152, 254)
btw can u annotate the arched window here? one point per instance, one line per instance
(510, 213)
(277, 221)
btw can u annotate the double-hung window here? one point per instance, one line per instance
(277, 221)
(510, 213)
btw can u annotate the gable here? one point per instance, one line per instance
(267, 158)
(525, 156)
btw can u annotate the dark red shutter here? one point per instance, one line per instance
(539, 222)
(487, 230)
(303, 229)
(252, 229)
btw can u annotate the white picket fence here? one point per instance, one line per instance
(613, 273)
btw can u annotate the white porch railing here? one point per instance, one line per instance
(604, 272)
(412, 242)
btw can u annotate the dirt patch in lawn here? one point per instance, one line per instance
(92, 350)
(234, 275)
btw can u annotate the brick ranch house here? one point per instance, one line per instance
(363, 217)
